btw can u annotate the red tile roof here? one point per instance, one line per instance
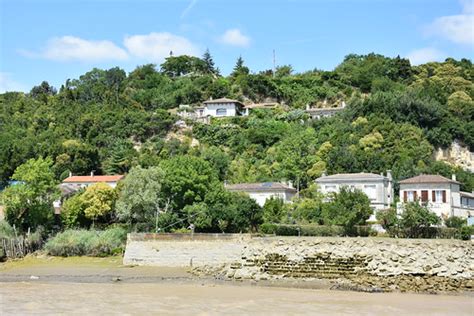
(72, 179)
(428, 178)
(265, 186)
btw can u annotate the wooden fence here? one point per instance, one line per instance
(17, 247)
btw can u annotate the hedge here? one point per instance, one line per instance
(312, 230)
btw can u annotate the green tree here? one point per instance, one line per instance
(416, 217)
(29, 203)
(139, 198)
(98, 200)
(72, 212)
(273, 210)
(348, 208)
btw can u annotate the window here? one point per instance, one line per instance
(221, 112)
(370, 191)
(410, 196)
(439, 196)
(424, 196)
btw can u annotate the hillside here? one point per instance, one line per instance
(109, 121)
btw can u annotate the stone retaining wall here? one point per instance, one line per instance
(389, 264)
(183, 250)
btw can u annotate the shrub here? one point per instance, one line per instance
(455, 222)
(466, 232)
(87, 243)
(6, 231)
(303, 230)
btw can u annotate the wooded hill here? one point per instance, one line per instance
(109, 121)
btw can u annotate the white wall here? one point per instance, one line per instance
(453, 198)
(211, 109)
(262, 197)
(380, 197)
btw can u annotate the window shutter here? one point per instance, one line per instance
(433, 196)
(444, 196)
(424, 196)
(405, 196)
(415, 196)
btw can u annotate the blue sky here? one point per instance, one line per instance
(55, 40)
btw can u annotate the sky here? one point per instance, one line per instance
(57, 40)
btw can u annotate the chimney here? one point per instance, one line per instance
(453, 177)
(92, 173)
(389, 174)
(324, 174)
(290, 184)
(70, 174)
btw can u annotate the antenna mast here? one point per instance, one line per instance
(274, 64)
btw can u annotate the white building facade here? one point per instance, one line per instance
(378, 188)
(261, 192)
(440, 194)
(222, 108)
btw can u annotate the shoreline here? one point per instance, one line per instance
(110, 270)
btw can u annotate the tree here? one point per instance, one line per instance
(29, 203)
(240, 68)
(416, 218)
(72, 212)
(388, 218)
(183, 65)
(209, 62)
(98, 200)
(139, 198)
(455, 222)
(273, 210)
(347, 208)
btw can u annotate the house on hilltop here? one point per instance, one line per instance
(261, 192)
(442, 195)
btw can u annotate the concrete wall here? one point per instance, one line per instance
(261, 197)
(182, 250)
(211, 109)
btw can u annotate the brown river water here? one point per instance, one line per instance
(21, 298)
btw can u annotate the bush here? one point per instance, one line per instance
(455, 222)
(6, 231)
(466, 232)
(304, 230)
(87, 243)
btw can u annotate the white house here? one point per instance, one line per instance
(377, 187)
(221, 108)
(261, 192)
(442, 195)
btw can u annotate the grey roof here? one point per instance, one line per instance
(263, 186)
(467, 194)
(222, 100)
(428, 178)
(351, 177)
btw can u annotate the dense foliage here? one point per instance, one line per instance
(117, 123)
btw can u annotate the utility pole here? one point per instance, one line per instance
(274, 63)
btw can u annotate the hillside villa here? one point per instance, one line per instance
(377, 187)
(442, 195)
(261, 192)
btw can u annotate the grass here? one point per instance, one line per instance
(87, 243)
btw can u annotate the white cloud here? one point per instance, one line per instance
(188, 8)
(235, 37)
(8, 84)
(459, 28)
(71, 48)
(424, 55)
(156, 46)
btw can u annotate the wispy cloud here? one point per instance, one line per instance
(424, 55)
(188, 8)
(71, 48)
(235, 37)
(8, 84)
(458, 29)
(156, 46)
